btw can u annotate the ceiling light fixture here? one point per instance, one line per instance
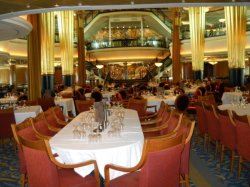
(158, 64)
(99, 66)
(80, 4)
(56, 5)
(28, 5)
(212, 62)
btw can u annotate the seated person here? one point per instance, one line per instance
(97, 96)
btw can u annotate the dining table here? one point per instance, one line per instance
(8, 100)
(239, 108)
(23, 112)
(67, 104)
(153, 100)
(230, 97)
(124, 150)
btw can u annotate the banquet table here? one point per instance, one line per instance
(124, 150)
(240, 110)
(21, 113)
(154, 100)
(67, 104)
(229, 97)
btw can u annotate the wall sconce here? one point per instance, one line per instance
(158, 64)
(99, 66)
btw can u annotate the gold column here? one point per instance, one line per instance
(236, 35)
(34, 58)
(176, 66)
(197, 29)
(81, 50)
(66, 35)
(47, 42)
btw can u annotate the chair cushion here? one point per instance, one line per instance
(69, 178)
(127, 180)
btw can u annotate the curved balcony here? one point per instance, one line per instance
(126, 43)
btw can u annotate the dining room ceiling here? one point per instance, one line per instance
(16, 7)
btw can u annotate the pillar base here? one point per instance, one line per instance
(48, 82)
(68, 80)
(236, 76)
(198, 75)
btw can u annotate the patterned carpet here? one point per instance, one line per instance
(210, 170)
(215, 173)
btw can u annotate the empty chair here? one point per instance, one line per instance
(186, 127)
(201, 122)
(7, 118)
(159, 165)
(44, 170)
(46, 103)
(213, 126)
(83, 105)
(41, 127)
(59, 115)
(243, 139)
(227, 134)
(24, 129)
(140, 105)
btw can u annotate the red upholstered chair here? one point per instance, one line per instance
(59, 115)
(41, 127)
(186, 127)
(46, 103)
(23, 129)
(140, 105)
(51, 120)
(227, 134)
(7, 118)
(159, 165)
(169, 126)
(44, 170)
(201, 122)
(243, 139)
(82, 105)
(213, 126)
(158, 118)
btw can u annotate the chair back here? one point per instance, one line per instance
(57, 111)
(23, 129)
(51, 120)
(41, 172)
(46, 103)
(243, 135)
(173, 123)
(41, 127)
(208, 99)
(162, 162)
(83, 105)
(7, 118)
(227, 129)
(213, 125)
(140, 105)
(186, 127)
(201, 118)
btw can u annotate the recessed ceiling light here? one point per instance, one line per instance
(56, 5)
(80, 4)
(132, 2)
(28, 6)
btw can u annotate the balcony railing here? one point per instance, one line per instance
(126, 43)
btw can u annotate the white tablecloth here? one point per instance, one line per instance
(67, 104)
(229, 97)
(153, 100)
(125, 150)
(106, 95)
(22, 113)
(239, 109)
(7, 100)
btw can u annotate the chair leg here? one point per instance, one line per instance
(240, 166)
(187, 180)
(23, 180)
(232, 160)
(222, 153)
(216, 148)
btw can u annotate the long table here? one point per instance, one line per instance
(125, 150)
